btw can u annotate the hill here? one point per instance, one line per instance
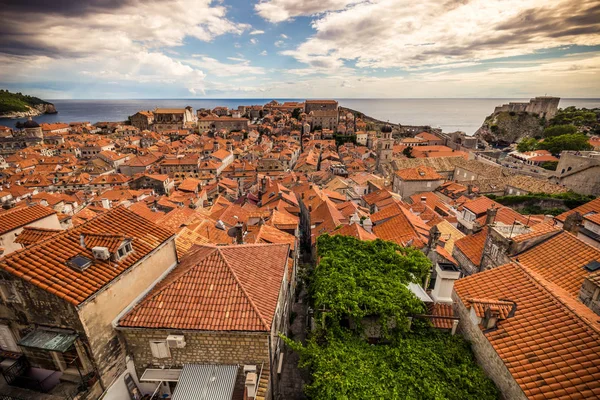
(18, 105)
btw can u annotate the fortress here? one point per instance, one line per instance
(544, 106)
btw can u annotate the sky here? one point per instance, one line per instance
(108, 49)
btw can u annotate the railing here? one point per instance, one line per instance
(17, 369)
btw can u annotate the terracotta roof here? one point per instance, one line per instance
(561, 260)
(355, 230)
(404, 229)
(472, 246)
(588, 207)
(420, 173)
(479, 205)
(19, 217)
(225, 288)
(551, 345)
(44, 264)
(593, 217)
(449, 234)
(480, 305)
(30, 235)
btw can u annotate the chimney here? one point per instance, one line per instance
(82, 240)
(446, 274)
(106, 204)
(434, 236)
(572, 223)
(251, 382)
(239, 233)
(491, 215)
(469, 188)
(423, 199)
(368, 225)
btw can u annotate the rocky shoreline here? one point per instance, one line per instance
(33, 111)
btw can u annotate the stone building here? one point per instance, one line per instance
(544, 106)
(142, 120)
(216, 123)
(385, 148)
(320, 105)
(61, 294)
(173, 118)
(579, 171)
(222, 305)
(161, 184)
(180, 167)
(323, 119)
(416, 180)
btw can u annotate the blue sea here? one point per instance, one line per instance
(449, 114)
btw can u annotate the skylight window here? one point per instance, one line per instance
(79, 263)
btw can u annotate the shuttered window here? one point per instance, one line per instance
(160, 349)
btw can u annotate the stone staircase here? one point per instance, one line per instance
(263, 384)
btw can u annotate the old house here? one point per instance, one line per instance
(61, 294)
(161, 184)
(222, 305)
(13, 221)
(416, 180)
(142, 120)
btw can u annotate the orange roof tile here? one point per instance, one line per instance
(224, 288)
(19, 217)
(420, 173)
(30, 235)
(355, 230)
(472, 245)
(551, 346)
(44, 264)
(588, 207)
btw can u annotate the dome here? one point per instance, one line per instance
(31, 124)
(386, 128)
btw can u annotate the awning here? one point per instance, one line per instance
(419, 292)
(160, 375)
(206, 382)
(49, 340)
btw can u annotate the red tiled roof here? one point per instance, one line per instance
(551, 346)
(355, 230)
(30, 235)
(479, 205)
(225, 288)
(420, 173)
(403, 229)
(561, 260)
(588, 207)
(18, 217)
(44, 264)
(472, 246)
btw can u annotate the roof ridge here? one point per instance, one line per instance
(544, 285)
(254, 307)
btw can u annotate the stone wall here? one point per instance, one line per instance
(485, 354)
(589, 295)
(408, 188)
(98, 313)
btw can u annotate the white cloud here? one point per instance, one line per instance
(257, 32)
(253, 41)
(129, 43)
(405, 34)
(282, 10)
(284, 36)
(214, 67)
(263, 53)
(279, 43)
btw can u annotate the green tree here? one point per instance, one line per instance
(558, 130)
(296, 113)
(574, 142)
(549, 165)
(408, 152)
(527, 144)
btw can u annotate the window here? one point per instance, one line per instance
(9, 292)
(428, 184)
(159, 349)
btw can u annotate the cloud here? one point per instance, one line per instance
(279, 43)
(263, 53)
(404, 34)
(214, 67)
(284, 36)
(253, 41)
(109, 39)
(281, 10)
(257, 32)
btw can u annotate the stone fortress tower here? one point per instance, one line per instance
(385, 147)
(544, 106)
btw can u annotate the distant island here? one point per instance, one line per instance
(18, 105)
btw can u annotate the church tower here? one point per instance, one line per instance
(385, 147)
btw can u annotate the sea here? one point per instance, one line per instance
(452, 114)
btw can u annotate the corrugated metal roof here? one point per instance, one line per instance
(48, 340)
(206, 382)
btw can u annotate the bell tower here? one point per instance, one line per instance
(385, 147)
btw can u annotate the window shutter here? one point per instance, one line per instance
(159, 349)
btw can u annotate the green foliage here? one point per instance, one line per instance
(527, 144)
(424, 365)
(17, 102)
(296, 113)
(549, 165)
(408, 152)
(358, 278)
(577, 116)
(557, 144)
(558, 130)
(537, 210)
